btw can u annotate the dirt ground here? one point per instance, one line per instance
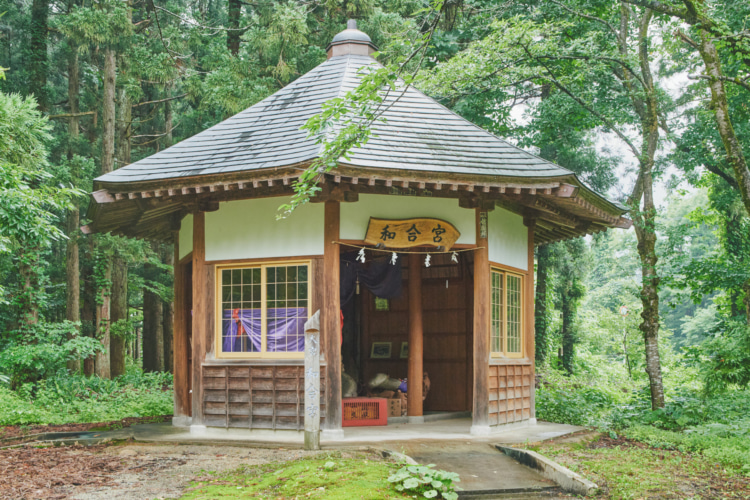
(125, 471)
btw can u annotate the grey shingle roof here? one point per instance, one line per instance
(419, 135)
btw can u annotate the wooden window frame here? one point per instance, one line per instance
(503, 353)
(263, 354)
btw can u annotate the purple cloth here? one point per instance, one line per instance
(286, 329)
(402, 387)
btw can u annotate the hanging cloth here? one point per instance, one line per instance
(378, 275)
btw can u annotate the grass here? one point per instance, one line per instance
(626, 469)
(330, 477)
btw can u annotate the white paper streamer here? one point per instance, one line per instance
(427, 261)
(394, 258)
(361, 255)
(454, 257)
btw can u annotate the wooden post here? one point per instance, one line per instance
(480, 414)
(330, 319)
(530, 330)
(181, 369)
(415, 371)
(200, 312)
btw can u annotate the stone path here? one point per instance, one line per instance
(484, 470)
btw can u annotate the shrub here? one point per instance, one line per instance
(75, 398)
(425, 482)
(43, 350)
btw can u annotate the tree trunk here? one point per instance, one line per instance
(108, 159)
(119, 314)
(108, 112)
(103, 322)
(153, 316)
(168, 116)
(168, 319)
(73, 286)
(541, 326)
(569, 339)
(28, 269)
(644, 220)
(72, 265)
(38, 52)
(735, 155)
(234, 12)
(88, 311)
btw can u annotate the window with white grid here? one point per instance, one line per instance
(506, 314)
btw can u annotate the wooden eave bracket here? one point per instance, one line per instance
(624, 223)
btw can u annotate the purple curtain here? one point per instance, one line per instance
(286, 330)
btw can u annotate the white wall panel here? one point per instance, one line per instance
(508, 239)
(186, 235)
(355, 216)
(248, 229)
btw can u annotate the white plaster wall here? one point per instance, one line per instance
(186, 235)
(355, 216)
(508, 239)
(248, 229)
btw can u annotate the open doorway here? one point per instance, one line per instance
(376, 326)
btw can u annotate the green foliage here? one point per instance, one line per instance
(725, 358)
(425, 482)
(42, 350)
(106, 24)
(575, 400)
(75, 398)
(728, 445)
(27, 201)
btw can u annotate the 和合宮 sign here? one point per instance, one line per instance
(407, 233)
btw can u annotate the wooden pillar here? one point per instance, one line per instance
(480, 412)
(330, 318)
(416, 341)
(181, 368)
(200, 312)
(530, 346)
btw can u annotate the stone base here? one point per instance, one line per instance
(415, 420)
(198, 430)
(181, 421)
(480, 430)
(513, 425)
(332, 435)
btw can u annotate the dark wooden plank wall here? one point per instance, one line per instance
(510, 393)
(447, 314)
(267, 379)
(256, 397)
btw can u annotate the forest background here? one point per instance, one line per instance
(642, 331)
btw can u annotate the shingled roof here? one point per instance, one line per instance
(420, 141)
(419, 135)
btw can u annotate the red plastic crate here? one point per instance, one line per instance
(360, 412)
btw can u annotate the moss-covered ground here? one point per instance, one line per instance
(330, 477)
(628, 469)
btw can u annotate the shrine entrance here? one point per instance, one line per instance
(376, 329)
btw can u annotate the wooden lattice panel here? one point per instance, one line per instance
(256, 397)
(510, 393)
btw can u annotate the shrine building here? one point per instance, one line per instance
(418, 252)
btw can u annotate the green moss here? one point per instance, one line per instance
(329, 477)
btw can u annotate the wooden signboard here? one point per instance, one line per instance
(407, 233)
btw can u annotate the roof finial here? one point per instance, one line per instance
(351, 41)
